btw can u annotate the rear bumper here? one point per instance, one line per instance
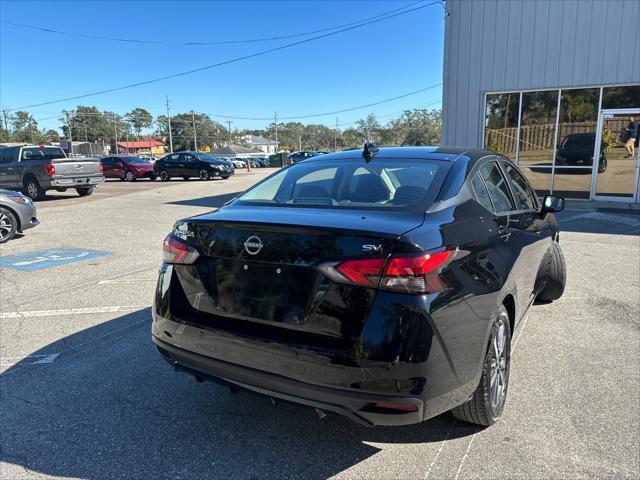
(354, 405)
(76, 181)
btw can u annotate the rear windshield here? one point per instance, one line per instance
(385, 184)
(136, 160)
(42, 153)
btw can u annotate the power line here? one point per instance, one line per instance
(200, 44)
(226, 62)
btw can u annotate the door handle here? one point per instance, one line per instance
(504, 234)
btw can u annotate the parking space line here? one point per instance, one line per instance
(70, 311)
(466, 454)
(442, 444)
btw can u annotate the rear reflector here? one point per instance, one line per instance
(403, 407)
(175, 250)
(409, 274)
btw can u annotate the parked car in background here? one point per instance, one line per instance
(192, 164)
(238, 162)
(128, 168)
(384, 285)
(17, 214)
(34, 169)
(260, 162)
(298, 156)
(576, 149)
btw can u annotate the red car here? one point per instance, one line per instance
(127, 168)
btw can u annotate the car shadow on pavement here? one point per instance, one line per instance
(110, 407)
(214, 201)
(604, 221)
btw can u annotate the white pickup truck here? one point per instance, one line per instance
(34, 169)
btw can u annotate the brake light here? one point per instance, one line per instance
(101, 168)
(409, 274)
(175, 250)
(415, 274)
(50, 169)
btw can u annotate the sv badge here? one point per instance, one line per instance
(372, 248)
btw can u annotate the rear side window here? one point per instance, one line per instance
(481, 192)
(353, 183)
(524, 197)
(42, 153)
(496, 187)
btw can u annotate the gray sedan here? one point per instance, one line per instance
(17, 213)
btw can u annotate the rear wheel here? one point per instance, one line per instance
(224, 177)
(33, 189)
(203, 174)
(129, 176)
(556, 275)
(84, 191)
(164, 176)
(602, 166)
(8, 225)
(487, 402)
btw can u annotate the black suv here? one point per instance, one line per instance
(192, 164)
(383, 285)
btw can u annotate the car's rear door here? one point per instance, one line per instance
(172, 164)
(8, 167)
(188, 165)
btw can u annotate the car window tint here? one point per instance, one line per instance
(481, 192)
(497, 187)
(173, 158)
(521, 190)
(42, 153)
(347, 183)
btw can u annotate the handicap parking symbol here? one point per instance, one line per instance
(53, 257)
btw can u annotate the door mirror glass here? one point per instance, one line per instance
(552, 203)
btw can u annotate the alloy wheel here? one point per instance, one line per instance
(6, 226)
(498, 368)
(203, 174)
(129, 177)
(32, 190)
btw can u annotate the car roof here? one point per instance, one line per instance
(450, 154)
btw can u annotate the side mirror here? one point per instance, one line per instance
(552, 203)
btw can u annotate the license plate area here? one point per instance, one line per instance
(264, 291)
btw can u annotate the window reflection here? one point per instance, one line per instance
(538, 128)
(621, 97)
(501, 123)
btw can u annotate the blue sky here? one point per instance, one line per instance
(357, 67)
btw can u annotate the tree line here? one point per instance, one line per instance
(87, 123)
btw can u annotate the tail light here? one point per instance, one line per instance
(50, 169)
(408, 274)
(175, 250)
(101, 168)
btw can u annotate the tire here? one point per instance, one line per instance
(487, 402)
(224, 177)
(8, 225)
(84, 191)
(556, 277)
(602, 166)
(186, 179)
(153, 177)
(32, 189)
(61, 190)
(129, 176)
(204, 175)
(164, 176)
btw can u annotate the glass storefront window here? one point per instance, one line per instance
(576, 139)
(501, 123)
(621, 97)
(537, 137)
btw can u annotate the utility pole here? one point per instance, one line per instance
(86, 138)
(115, 131)
(195, 140)
(335, 140)
(275, 120)
(229, 122)
(70, 135)
(169, 122)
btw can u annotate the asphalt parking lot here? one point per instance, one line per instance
(85, 395)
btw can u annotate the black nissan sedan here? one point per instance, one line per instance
(192, 164)
(384, 285)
